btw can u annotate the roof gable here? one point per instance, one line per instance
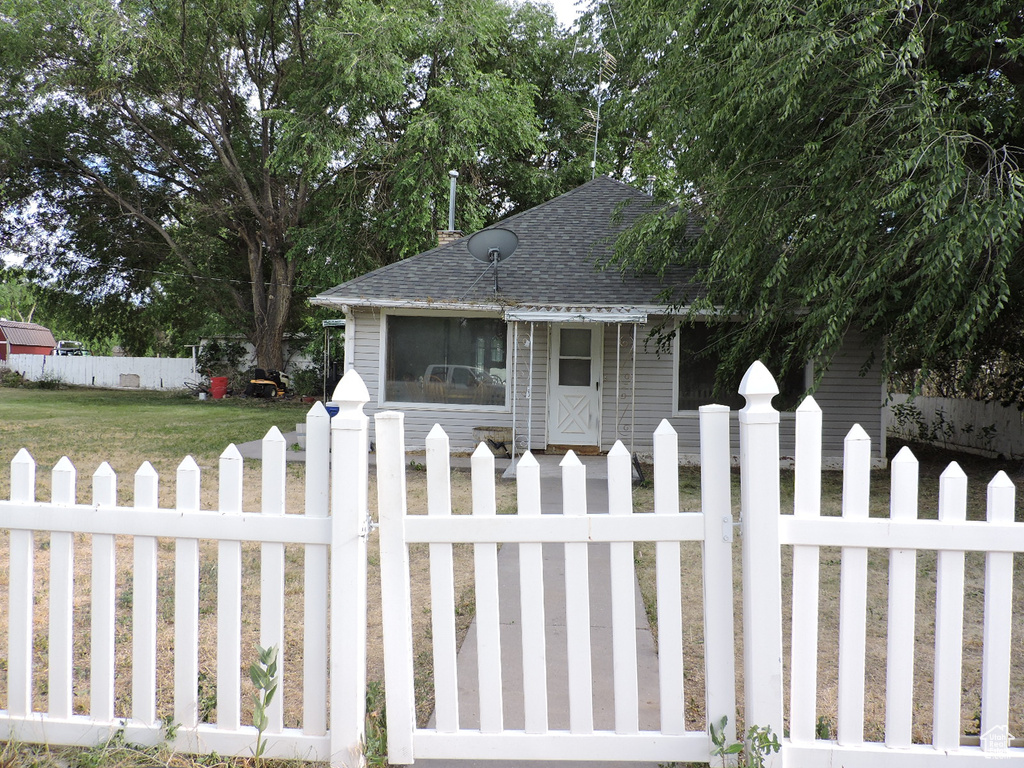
(564, 247)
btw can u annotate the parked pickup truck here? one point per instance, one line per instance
(71, 348)
(464, 383)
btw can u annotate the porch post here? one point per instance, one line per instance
(529, 396)
(515, 393)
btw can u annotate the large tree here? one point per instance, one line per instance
(853, 165)
(227, 157)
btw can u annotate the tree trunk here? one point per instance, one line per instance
(272, 306)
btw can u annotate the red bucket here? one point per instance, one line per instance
(218, 387)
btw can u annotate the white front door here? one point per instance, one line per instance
(574, 385)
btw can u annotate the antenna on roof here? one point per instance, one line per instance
(606, 73)
(493, 246)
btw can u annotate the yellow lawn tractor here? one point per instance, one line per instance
(267, 384)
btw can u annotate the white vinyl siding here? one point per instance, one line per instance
(845, 397)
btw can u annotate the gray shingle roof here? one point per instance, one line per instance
(563, 244)
(26, 334)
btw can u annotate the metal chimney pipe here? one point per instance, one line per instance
(451, 201)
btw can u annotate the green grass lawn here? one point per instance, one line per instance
(125, 428)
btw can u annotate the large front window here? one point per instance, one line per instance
(456, 360)
(698, 366)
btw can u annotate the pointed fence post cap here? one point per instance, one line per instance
(953, 471)
(528, 460)
(665, 428)
(618, 449)
(857, 434)
(905, 456)
(104, 470)
(148, 470)
(64, 465)
(351, 391)
(758, 387)
(188, 464)
(1001, 480)
(1001, 498)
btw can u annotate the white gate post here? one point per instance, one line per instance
(762, 577)
(349, 529)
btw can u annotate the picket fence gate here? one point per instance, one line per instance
(334, 530)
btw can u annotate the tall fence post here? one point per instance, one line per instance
(670, 601)
(186, 603)
(229, 595)
(853, 592)
(272, 562)
(64, 478)
(349, 529)
(762, 566)
(103, 611)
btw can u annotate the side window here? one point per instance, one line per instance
(697, 366)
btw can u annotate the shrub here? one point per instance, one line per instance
(306, 381)
(49, 381)
(11, 378)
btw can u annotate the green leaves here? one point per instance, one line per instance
(857, 164)
(757, 745)
(236, 156)
(263, 673)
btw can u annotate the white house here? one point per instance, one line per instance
(556, 347)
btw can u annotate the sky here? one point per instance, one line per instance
(565, 10)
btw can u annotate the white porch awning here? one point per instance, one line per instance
(576, 315)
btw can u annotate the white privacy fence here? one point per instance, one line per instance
(88, 371)
(990, 429)
(334, 600)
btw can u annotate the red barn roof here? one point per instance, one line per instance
(26, 334)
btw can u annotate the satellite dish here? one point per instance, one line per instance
(492, 246)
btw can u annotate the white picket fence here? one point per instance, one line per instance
(335, 566)
(338, 540)
(575, 529)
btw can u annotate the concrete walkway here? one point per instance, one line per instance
(554, 609)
